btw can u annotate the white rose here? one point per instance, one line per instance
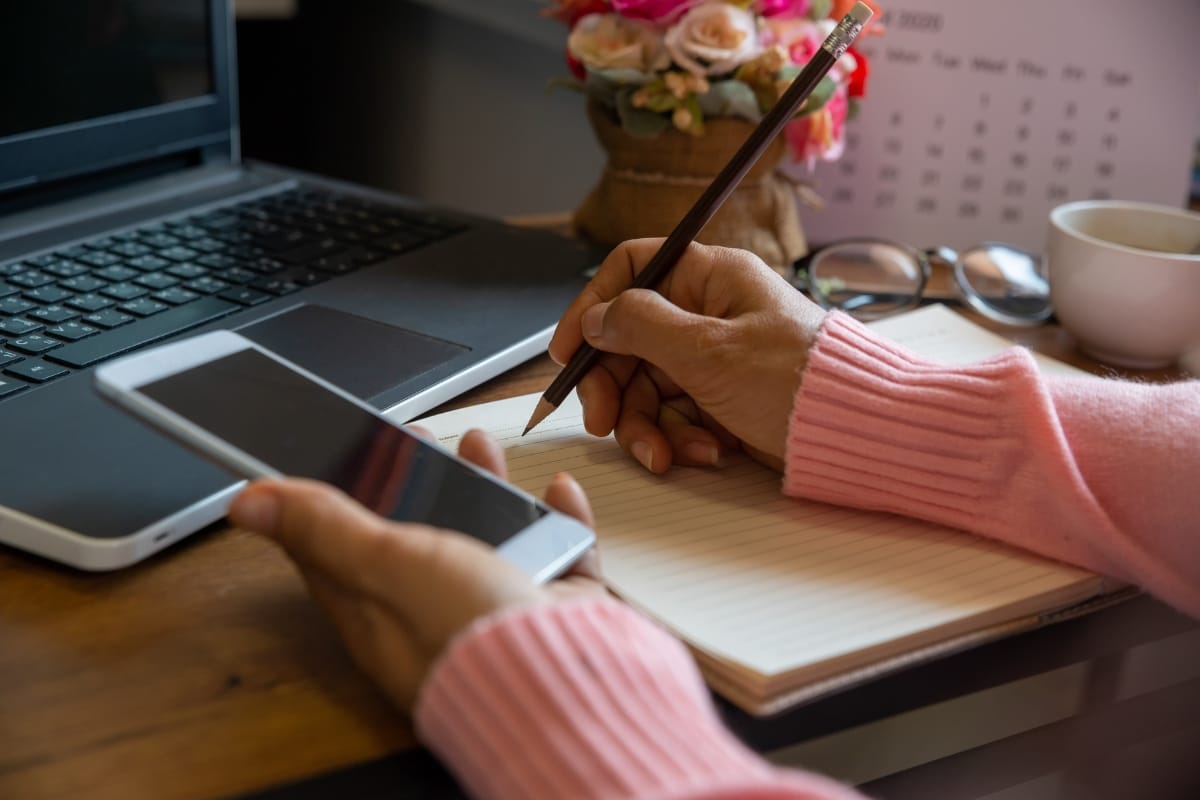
(608, 41)
(713, 39)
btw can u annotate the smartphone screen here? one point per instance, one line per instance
(301, 429)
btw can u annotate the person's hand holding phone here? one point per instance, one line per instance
(709, 361)
(398, 593)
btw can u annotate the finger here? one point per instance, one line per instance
(690, 443)
(421, 432)
(615, 275)
(637, 428)
(321, 528)
(588, 566)
(483, 451)
(564, 494)
(645, 324)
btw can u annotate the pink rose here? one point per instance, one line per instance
(801, 37)
(713, 39)
(658, 11)
(782, 8)
(607, 41)
(820, 135)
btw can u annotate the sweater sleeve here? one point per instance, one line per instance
(1096, 472)
(589, 699)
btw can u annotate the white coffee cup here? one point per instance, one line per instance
(1125, 281)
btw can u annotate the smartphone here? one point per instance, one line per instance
(259, 415)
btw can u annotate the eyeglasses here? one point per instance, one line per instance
(872, 278)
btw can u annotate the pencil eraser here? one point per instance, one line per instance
(861, 13)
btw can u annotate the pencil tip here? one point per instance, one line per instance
(544, 407)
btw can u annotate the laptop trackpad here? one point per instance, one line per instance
(361, 355)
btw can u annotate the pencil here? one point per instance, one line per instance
(715, 194)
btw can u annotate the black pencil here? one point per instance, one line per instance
(726, 181)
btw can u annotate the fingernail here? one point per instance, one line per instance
(593, 321)
(701, 453)
(255, 511)
(643, 453)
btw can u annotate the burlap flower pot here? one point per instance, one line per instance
(649, 184)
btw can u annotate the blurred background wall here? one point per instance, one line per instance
(446, 100)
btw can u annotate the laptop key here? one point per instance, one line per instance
(176, 296)
(100, 259)
(7, 387)
(124, 291)
(83, 284)
(65, 269)
(116, 273)
(109, 343)
(54, 314)
(7, 289)
(235, 275)
(14, 305)
(7, 358)
(179, 253)
(48, 294)
(156, 280)
(18, 326)
(130, 249)
(207, 285)
(89, 302)
(245, 296)
(187, 271)
(148, 263)
(33, 344)
(277, 286)
(108, 318)
(31, 279)
(71, 331)
(35, 370)
(144, 307)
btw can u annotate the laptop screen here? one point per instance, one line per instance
(86, 85)
(104, 59)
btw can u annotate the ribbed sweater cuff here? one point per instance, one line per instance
(876, 426)
(584, 699)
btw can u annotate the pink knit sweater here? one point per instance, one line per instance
(591, 700)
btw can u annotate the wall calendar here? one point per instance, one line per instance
(982, 116)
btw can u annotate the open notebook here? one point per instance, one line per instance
(784, 600)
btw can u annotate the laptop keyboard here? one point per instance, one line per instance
(81, 305)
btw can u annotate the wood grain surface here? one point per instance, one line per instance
(205, 671)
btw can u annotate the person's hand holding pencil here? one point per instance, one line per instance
(715, 194)
(708, 363)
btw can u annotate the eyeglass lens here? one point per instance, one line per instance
(1004, 283)
(871, 279)
(868, 279)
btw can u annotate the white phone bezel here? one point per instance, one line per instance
(544, 549)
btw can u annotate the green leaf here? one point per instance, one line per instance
(692, 104)
(638, 121)
(620, 77)
(730, 99)
(819, 97)
(819, 9)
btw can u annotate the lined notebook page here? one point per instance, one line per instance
(770, 583)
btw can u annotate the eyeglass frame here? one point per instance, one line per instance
(922, 258)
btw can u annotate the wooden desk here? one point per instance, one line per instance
(203, 672)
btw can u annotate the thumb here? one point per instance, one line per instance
(643, 323)
(324, 529)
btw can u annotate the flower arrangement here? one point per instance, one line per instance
(675, 63)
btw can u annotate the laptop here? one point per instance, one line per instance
(128, 218)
